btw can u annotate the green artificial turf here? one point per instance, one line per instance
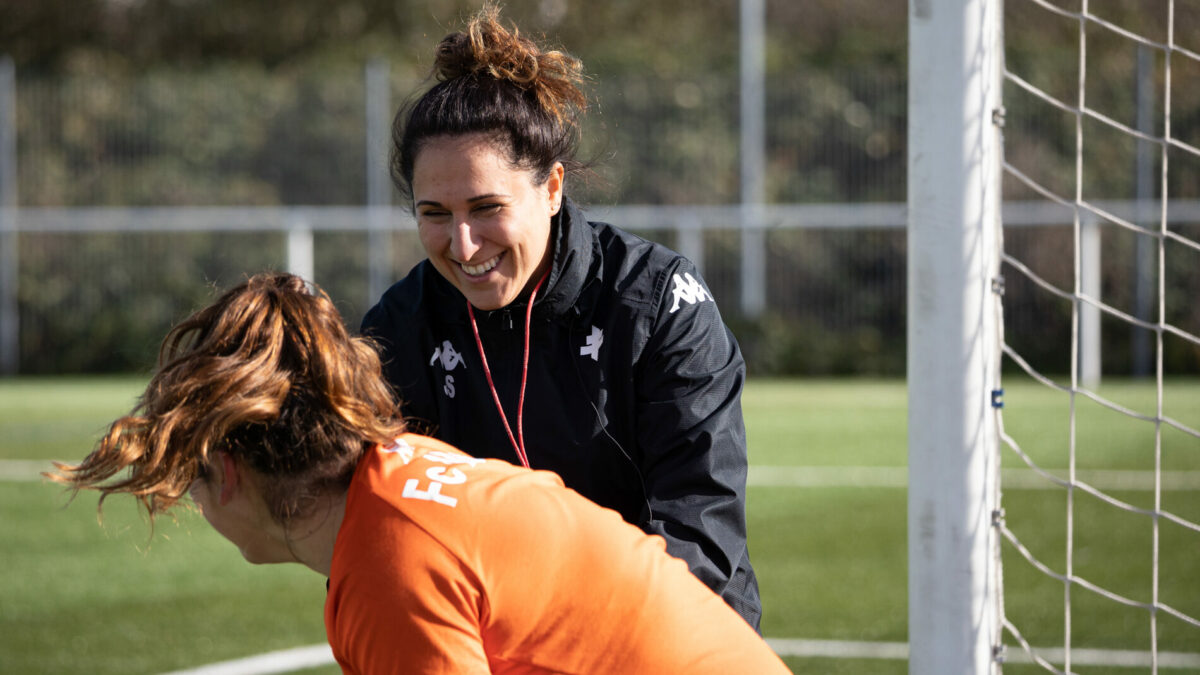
(832, 560)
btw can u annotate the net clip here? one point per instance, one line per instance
(997, 398)
(998, 116)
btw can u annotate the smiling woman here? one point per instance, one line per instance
(486, 227)
(623, 379)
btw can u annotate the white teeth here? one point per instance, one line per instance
(485, 266)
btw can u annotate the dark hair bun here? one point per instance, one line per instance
(487, 48)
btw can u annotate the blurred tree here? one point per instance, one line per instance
(240, 102)
(662, 38)
(41, 34)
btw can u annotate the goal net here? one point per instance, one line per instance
(1099, 327)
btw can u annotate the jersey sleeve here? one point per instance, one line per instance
(690, 429)
(415, 608)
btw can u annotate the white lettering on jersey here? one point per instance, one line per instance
(450, 458)
(448, 387)
(594, 341)
(448, 355)
(432, 494)
(688, 290)
(439, 476)
(449, 476)
(402, 448)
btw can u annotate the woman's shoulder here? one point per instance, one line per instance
(635, 266)
(627, 245)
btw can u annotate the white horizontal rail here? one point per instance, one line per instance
(203, 218)
(635, 217)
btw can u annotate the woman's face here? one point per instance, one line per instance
(484, 224)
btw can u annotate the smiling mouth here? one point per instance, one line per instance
(482, 268)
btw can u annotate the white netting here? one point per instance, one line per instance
(1167, 586)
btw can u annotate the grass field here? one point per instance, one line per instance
(831, 559)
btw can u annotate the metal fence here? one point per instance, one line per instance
(99, 286)
(125, 201)
(128, 198)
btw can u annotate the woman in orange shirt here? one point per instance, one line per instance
(280, 426)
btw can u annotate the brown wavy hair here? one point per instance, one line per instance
(268, 374)
(494, 81)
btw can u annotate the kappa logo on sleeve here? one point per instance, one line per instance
(688, 290)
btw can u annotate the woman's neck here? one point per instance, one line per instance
(311, 538)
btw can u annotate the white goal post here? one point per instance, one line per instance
(953, 357)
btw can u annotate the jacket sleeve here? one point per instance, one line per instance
(691, 435)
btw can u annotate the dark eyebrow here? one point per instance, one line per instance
(480, 198)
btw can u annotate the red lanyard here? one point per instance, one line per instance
(519, 441)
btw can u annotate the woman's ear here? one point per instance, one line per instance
(229, 477)
(554, 187)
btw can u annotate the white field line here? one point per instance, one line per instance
(1010, 479)
(289, 660)
(899, 651)
(28, 470)
(283, 661)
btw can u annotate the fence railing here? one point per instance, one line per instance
(307, 234)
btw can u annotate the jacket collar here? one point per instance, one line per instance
(576, 262)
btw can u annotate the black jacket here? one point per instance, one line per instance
(633, 391)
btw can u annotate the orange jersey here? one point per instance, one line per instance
(446, 563)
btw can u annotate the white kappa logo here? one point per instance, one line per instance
(448, 355)
(688, 290)
(594, 341)
(450, 359)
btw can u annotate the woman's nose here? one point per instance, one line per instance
(464, 242)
